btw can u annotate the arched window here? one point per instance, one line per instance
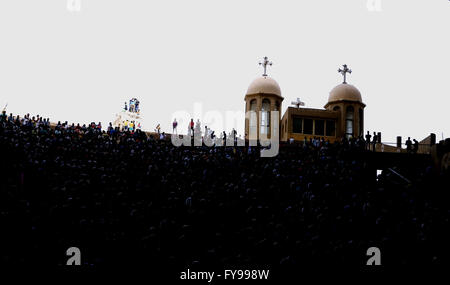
(253, 105)
(349, 121)
(337, 108)
(253, 119)
(265, 116)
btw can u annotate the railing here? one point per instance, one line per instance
(423, 148)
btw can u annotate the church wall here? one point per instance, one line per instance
(307, 113)
(358, 125)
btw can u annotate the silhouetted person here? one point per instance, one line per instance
(234, 132)
(174, 126)
(374, 141)
(136, 106)
(368, 137)
(408, 145)
(191, 126)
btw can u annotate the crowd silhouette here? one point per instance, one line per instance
(127, 198)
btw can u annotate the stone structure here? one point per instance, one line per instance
(263, 96)
(342, 116)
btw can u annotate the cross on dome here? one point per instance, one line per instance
(344, 72)
(264, 64)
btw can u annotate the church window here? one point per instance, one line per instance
(349, 121)
(265, 116)
(331, 128)
(319, 127)
(253, 118)
(308, 126)
(297, 125)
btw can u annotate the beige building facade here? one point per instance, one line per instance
(342, 116)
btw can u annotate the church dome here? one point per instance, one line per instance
(346, 92)
(264, 85)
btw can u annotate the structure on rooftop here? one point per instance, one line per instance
(263, 96)
(342, 116)
(130, 118)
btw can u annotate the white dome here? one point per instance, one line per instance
(264, 85)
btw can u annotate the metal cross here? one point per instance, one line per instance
(298, 103)
(264, 64)
(344, 72)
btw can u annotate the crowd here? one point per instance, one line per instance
(133, 107)
(126, 198)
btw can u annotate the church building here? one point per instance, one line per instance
(342, 116)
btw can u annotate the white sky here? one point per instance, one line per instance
(82, 66)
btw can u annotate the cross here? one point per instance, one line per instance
(264, 64)
(344, 72)
(298, 103)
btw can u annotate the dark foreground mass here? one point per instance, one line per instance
(126, 199)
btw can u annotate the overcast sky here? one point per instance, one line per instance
(82, 66)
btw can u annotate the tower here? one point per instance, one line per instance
(263, 96)
(347, 101)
